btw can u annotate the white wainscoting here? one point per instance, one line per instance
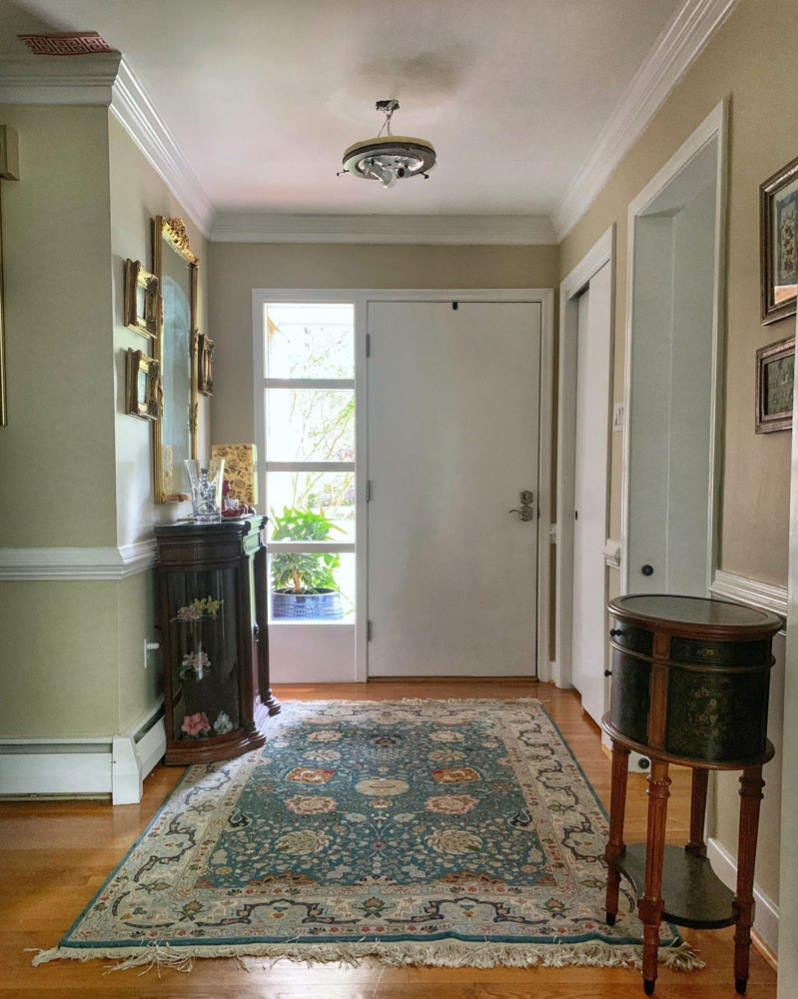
(766, 912)
(764, 596)
(112, 765)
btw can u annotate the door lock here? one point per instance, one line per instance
(527, 496)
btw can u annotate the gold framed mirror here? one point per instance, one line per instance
(175, 434)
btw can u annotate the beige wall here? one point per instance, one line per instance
(137, 195)
(237, 268)
(751, 59)
(753, 62)
(57, 452)
(76, 468)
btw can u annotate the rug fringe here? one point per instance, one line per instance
(446, 954)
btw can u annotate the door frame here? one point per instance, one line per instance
(360, 298)
(602, 253)
(714, 128)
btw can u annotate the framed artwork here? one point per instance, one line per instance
(240, 465)
(775, 376)
(141, 300)
(143, 395)
(205, 365)
(175, 347)
(778, 208)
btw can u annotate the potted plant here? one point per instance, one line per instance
(303, 585)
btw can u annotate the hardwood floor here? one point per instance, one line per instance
(55, 854)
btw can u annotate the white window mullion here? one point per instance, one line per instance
(309, 383)
(310, 466)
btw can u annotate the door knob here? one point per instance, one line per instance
(525, 513)
(648, 570)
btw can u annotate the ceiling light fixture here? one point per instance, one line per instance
(388, 158)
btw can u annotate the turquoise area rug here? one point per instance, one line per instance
(424, 832)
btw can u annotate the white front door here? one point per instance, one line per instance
(590, 491)
(453, 410)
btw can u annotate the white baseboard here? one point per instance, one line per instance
(114, 765)
(766, 912)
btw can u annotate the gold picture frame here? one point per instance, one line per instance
(775, 377)
(778, 214)
(141, 316)
(175, 434)
(205, 365)
(143, 387)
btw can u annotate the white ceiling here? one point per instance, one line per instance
(262, 96)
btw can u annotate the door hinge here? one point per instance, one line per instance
(368, 490)
(368, 345)
(369, 631)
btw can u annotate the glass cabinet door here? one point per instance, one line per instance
(204, 641)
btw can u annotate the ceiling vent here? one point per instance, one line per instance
(70, 44)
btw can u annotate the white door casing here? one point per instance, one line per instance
(590, 492)
(361, 297)
(600, 258)
(674, 335)
(453, 409)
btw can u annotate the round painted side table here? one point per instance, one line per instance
(690, 685)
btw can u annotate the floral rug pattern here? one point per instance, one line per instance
(374, 828)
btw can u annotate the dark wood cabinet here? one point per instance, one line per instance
(690, 685)
(214, 609)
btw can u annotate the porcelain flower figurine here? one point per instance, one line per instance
(196, 663)
(196, 725)
(222, 725)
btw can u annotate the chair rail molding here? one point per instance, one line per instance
(106, 80)
(484, 230)
(742, 590)
(77, 563)
(678, 46)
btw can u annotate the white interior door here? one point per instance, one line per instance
(590, 491)
(671, 392)
(453, 409)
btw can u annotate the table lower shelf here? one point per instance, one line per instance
(694, 895)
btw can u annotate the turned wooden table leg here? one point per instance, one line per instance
(615, 844)
(698, 810)
(751, 785)
(650, 905)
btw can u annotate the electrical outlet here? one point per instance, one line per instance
(149, 647)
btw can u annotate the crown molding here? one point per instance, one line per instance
(676, 49)
(83, 80)
(106, 80)
(498, 230)
(133, 108)
(77, 563)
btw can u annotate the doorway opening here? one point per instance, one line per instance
(673, 347)
(583, 473)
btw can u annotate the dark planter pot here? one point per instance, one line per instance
(322, 606)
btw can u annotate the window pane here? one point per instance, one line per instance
(301, 502)
(310, 341)
(332, 574)
(310, 425)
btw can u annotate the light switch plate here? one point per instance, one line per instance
(618, 413)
